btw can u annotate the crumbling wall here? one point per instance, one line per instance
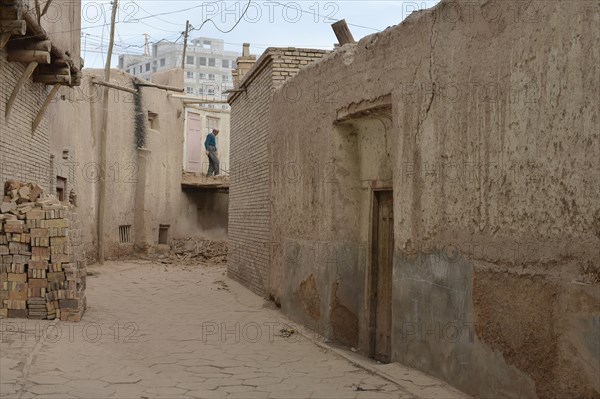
(143, 184)
(494, 147)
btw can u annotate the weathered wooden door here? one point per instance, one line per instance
(383, 254)
(194, 146)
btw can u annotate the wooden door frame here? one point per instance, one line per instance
(371, 281)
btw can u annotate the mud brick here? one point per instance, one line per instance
(60, 257)
(56, 223)
(3, 313)
(14, 226)
(3, 278)
(59, 240)
(18, 295)
(18, 278)
(40, 242)
(37, 316)
(56, 267)
(70, 304)
(17, 314)
(74, 317)
(36, 274)
(3, 240)
(36, 214)
(35, 292)
(3, 295)
(38, 283)
(16, 304)
(56, 277)
(38, 265)
(15, 237)
(38, 233)
(40, 253)
(25, 238)
(16, 268)
(37, 301)
(4, 250)
(21, 259)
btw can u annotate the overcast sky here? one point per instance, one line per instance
(265, 23)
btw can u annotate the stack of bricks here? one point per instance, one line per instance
(42, 276)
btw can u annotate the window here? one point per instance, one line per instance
(225, 64)
(163, 234)
(162, 62)
(190, 75)
(147, 67)
(202, 76)
(201, 90)
(212, 123)
(189, 59)
(153, 120)
(211, 62)
(225, 78)
(201, 60)
(211, 76)
(206, 44)
(211, 92)
(61, 188)
(189, 90)
(141, 69)
(128, 71)
(124, 234)
(223, 106)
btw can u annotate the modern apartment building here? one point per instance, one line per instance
(207, 66)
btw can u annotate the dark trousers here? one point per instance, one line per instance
(213, 162)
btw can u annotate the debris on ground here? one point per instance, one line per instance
(287, 332)
(198, 250)
(358, 388)
(222, 285)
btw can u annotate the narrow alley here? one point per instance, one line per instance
(166, 331)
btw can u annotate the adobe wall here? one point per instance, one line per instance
(143, 185)
(487, 128)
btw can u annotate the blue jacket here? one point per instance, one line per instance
(210, 141)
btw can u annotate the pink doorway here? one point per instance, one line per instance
(194, 147)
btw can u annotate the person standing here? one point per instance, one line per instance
(210, 144)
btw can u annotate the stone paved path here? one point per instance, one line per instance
(155, 331)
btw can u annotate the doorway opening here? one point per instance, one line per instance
(382, 260)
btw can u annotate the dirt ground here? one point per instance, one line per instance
(157, 330)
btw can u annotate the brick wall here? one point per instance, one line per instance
(23, 156)
(250, 238)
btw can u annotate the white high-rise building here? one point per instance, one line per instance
(207, 66)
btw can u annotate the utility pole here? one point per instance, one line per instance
(146, 45)
(103, 134)
(185, 38)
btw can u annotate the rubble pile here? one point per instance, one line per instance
(42, 272)
(199, 250)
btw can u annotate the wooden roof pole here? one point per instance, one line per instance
(13, 96)
(42, 111)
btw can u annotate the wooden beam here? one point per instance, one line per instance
(342, 32)
(52, 79)
(30, 44)
(116, 87)
(54, 69)
(13, 27)
(13, 96)
(4, 39)
(164, 87)
(42, 111)
(40, 57)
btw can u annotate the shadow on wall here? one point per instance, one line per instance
(205, 214)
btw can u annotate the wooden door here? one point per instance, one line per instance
(383, 256)
(194, 145)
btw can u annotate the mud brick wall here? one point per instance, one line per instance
(23, 155)
(249, 213)
(42, 269)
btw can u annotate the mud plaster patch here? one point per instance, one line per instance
(309, 295)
